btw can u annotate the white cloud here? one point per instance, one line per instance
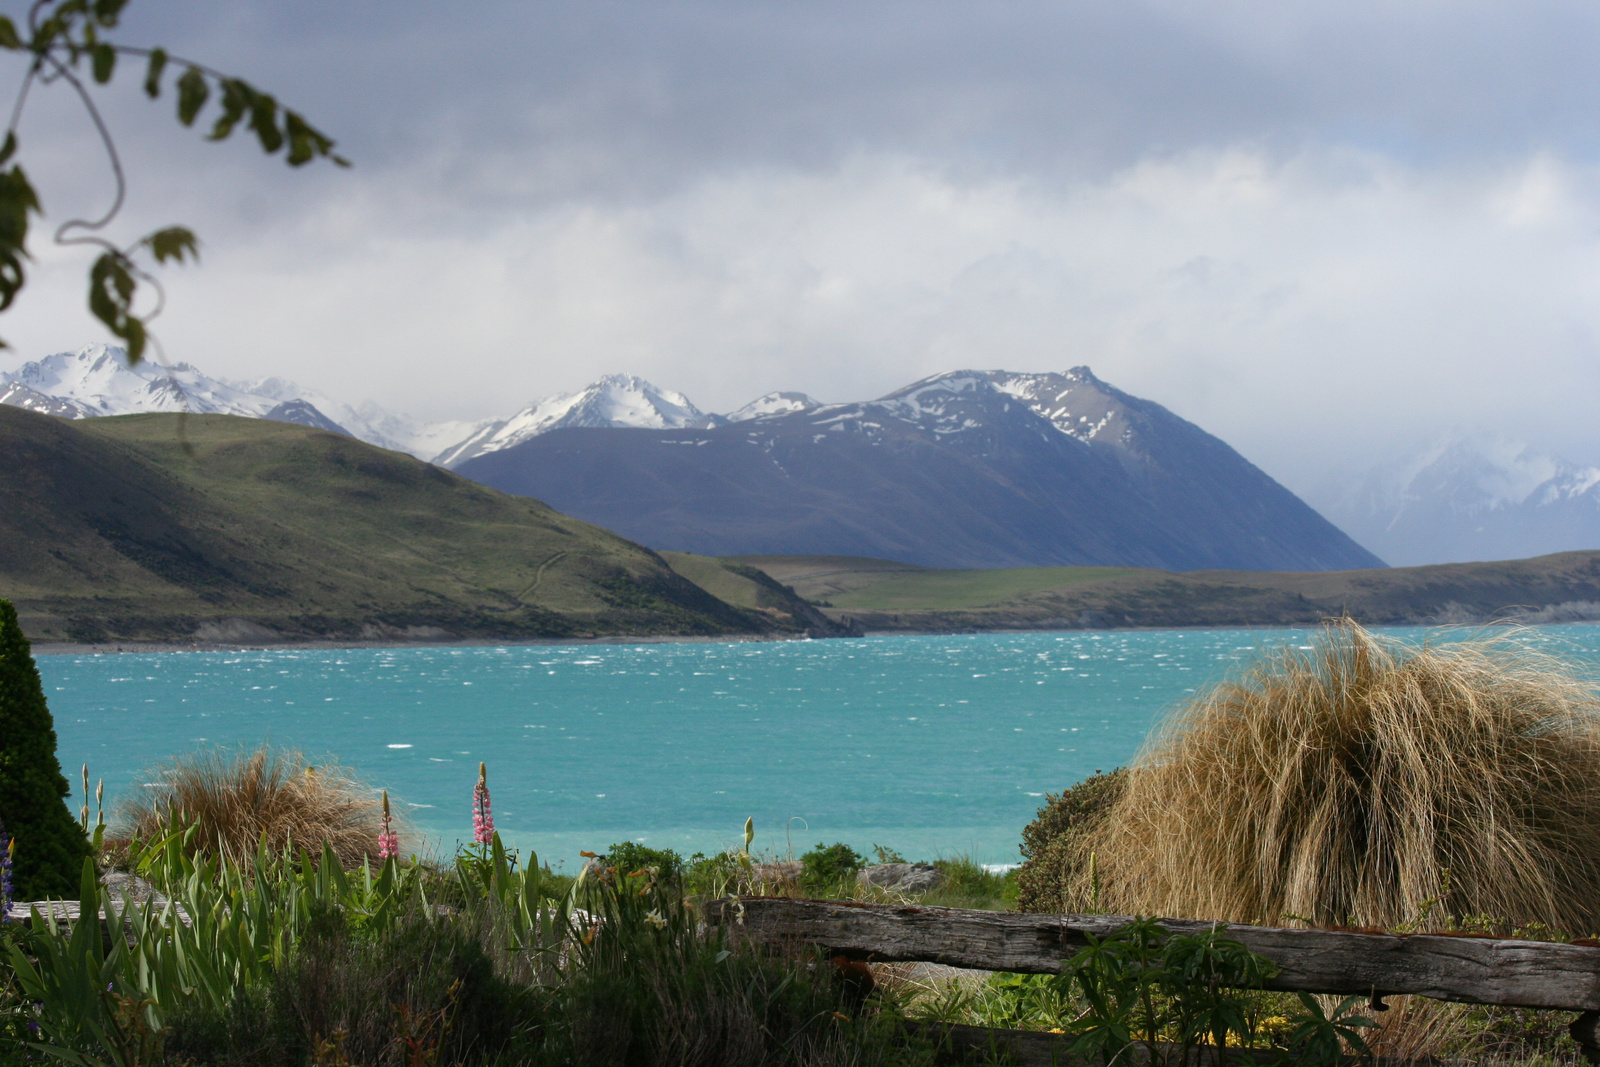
(1297, 227)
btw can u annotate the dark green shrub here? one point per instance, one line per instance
(51, 846)
(655, 986)
(630, 856)
(829, 864)
(419, 985)
(712, 876)
(1051, 844)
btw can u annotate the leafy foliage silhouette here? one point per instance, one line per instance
(66, 40)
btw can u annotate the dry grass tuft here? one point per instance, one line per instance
(1339, 785)
(236, 797)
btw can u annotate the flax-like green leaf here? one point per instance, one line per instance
(111, 289)
(174, 242)
(153, 72)
(103, 60)
(264, 121)
(236, 97)
(9, 38)
(107, 12)
(192, 94)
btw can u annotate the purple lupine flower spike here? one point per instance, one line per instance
(388, 840)
(482, 817)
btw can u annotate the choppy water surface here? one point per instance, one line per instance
(930, 745)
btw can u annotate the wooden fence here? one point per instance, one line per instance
(1470, 969)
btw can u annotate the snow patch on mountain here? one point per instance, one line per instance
(1075, 403)
(1470, 498)
(96, 379)
(617, 400)
(18, 395)
(773, 404)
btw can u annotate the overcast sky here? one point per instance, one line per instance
(1322, 231)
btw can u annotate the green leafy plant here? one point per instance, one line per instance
(630, 856)
(67, 42)
(828, 865)
(1022, 1002)
(1318, 1038)
(1141, 985)
(887, 855)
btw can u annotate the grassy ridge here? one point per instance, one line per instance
(152, 528)
(883, 595)
(750, 588)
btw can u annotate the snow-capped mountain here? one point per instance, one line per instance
(18, 395)
(1076, 403)
(96, 380)
(966, 469)
(617, 400)
(969, 468)
(1471, 498)
(773, 404)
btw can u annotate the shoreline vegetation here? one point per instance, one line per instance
(488, 958)
(271, 914)
(49, 648)
(260, 911)
(882, 596)
(68, 648)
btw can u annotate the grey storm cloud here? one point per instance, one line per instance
(683, 86)
(1377, 220)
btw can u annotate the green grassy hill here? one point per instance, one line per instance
(156, 528)
(750, 588)
(882, 595)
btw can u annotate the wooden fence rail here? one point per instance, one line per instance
(1470, 969)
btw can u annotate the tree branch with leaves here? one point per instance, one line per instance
(67, 43)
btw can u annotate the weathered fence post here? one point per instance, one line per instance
(1469, 969)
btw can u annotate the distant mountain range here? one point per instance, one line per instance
(1467, 499)
(966, 469)
(961, 470)
(96, 380)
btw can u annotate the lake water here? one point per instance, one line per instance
(933, 746)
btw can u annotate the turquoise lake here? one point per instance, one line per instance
(934, 746)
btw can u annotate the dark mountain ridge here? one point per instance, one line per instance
(970, 469)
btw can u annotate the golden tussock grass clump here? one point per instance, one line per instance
(1339, 785)
(236, 797)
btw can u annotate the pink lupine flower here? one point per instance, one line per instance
(482, 817)
(388, 840)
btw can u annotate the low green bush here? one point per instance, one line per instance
(707, 877)
(1054, 858)
(630, 856)
(830, 865)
